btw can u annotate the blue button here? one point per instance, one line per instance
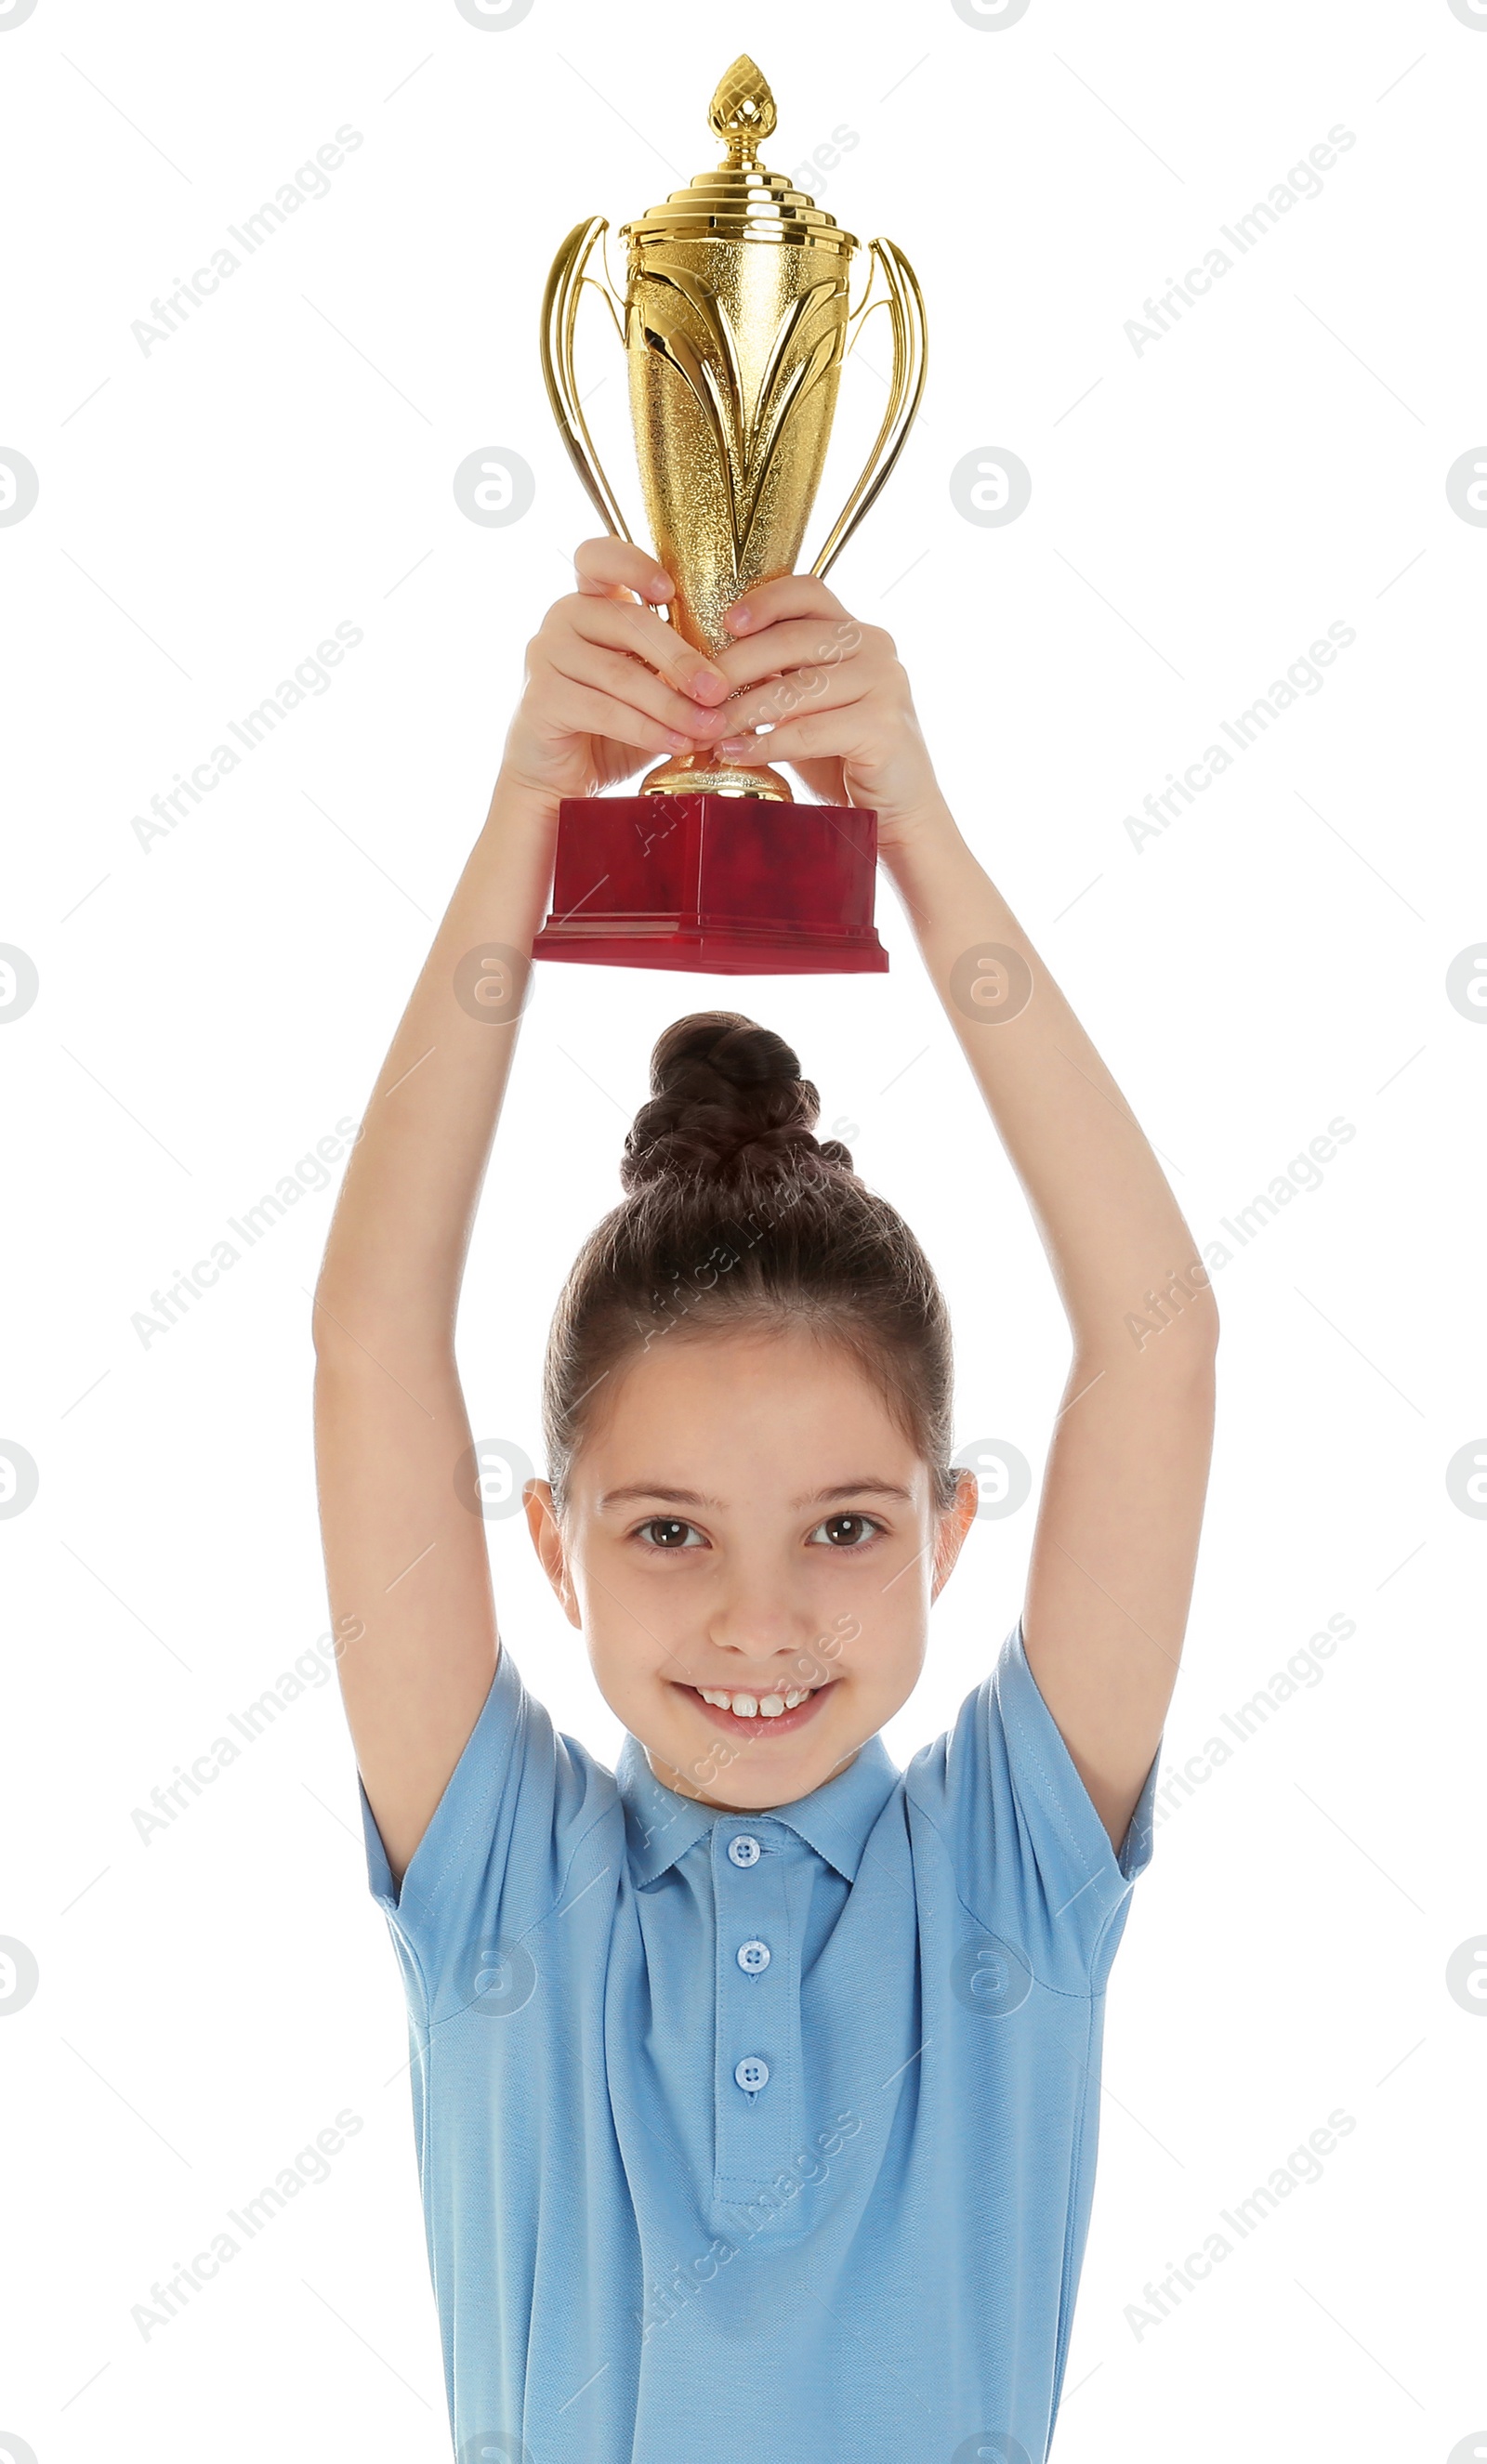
(752, 2073)
(744, 1850)
(753, 1957)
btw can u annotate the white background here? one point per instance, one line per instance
(208, 1010)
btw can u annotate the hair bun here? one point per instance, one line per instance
(728, 1102)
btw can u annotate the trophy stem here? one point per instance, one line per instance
(697, 774)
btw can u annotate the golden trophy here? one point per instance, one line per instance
(734, 322)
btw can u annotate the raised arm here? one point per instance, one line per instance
(609, 686)
(1116, 1536)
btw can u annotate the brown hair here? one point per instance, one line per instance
(735, 1216)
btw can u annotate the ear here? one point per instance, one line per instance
(955, 1521)
(547, 1540)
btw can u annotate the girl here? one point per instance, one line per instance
(756, 2083)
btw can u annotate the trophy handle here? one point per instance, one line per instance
(910, 357)
(559, 315)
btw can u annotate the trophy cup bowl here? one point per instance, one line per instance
(735, 322)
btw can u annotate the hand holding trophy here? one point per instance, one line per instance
(735, 324)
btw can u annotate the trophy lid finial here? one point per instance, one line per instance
(743, 111)
(739, 199)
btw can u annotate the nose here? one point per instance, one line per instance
(759, 1623)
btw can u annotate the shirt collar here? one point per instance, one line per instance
(835, 1819)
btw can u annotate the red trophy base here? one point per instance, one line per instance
(719, 884)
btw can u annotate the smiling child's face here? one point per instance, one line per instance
(747, 1518)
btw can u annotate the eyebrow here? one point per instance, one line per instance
(869, 1487)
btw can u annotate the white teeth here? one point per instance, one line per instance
(751, 1707)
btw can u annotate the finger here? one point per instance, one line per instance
(814, 736)
(627, 681)
(639, 631)
(791, 696)
(790, 594)
(791, 643)
(582, 710)
(606, 566)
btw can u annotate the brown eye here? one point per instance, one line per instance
(664, 1532)
(847, 1530)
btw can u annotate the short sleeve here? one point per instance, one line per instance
(493, 1862)
(1031, 1858)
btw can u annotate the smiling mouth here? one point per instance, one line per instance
(749, 1713)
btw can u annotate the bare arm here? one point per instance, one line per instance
(405, 1559)
(1116, 1536)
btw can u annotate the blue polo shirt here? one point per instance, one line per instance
(759, 2138)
